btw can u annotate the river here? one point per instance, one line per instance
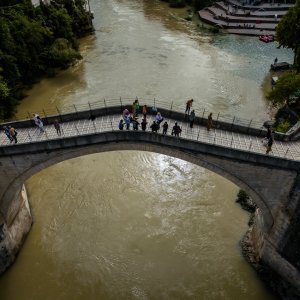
(138, 225)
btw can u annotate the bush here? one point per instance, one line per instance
(283, 126)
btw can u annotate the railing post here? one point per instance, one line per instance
(76, 110)
(217, 120)
(105, 106)
(171, 109)
(29, 137)
(59, 114)
(76, 128)
(249, 126)
(215, 136)
(198, 134)
(232, 123)
(231, 140)
(286, 152)
(261, 129)
(46, 117)
(250, 146)
(91, 114)
(121, 104)
(94, 126)
(203, 116)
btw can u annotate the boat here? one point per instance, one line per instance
(266, 38)
(280, 66)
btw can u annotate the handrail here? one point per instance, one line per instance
(166, 104)
(107, 123)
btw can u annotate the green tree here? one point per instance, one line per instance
(35, 41)
(288, 32)
(286, 89)
(7, 100)
(61, 54)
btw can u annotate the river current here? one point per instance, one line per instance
(139, 225)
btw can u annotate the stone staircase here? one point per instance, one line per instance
(236, 18)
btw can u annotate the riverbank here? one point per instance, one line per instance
(272, 280)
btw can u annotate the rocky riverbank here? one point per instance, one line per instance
(276, 283)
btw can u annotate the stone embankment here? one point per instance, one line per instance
(236, 18)
(251, 245)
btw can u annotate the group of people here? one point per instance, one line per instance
(192, 115)
(128, 118)
(12, 133)
(40, 125)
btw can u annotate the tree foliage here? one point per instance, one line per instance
(34, 39)
(288, 32)
(286, 90)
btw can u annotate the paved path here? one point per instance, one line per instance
(243, 142)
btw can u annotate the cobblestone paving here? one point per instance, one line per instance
(243, 142)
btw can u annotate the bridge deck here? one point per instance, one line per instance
(287, 150)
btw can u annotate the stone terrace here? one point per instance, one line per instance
(235, 18)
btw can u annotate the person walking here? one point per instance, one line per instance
(57, 127)
(6, 131)
(158, 118)
(176, 130)
(135, 124)
(13, 134)
(127, 121)
(38, 122)
(192, 118)
(125, 113)
(145, 111)
(41, 126)
(154, 127)
(144, 124)
(165, 127)
(121, 124)
(188, 106)
(209, 122)
(135, 108)
(270, 144)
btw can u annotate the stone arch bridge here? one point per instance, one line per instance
(232, 149)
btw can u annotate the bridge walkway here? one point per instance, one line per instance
(218, 137)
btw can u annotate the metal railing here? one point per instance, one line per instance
(218, 137)
(125, 102)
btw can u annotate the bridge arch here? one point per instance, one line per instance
(202, 161)
(272, 182)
